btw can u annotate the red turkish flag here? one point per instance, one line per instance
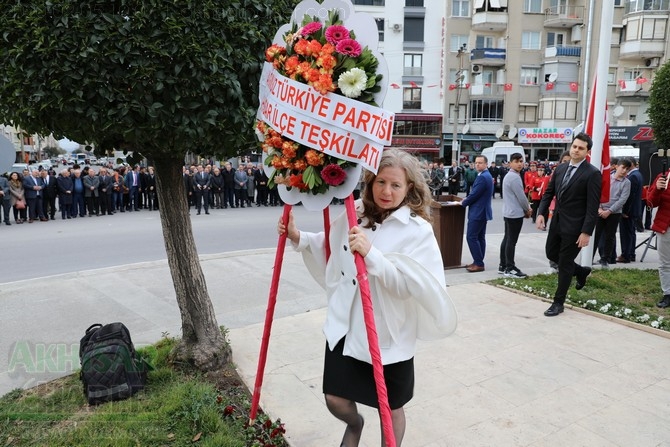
(452, 86)
(641, 80)
(467, 85)
(413, 84)
(622, 83)
(574, 86)
(394, 85)
(488, 84)
(508, 87)
(550, 86)
(605, 161)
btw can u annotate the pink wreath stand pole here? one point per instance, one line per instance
(373, 341)
(269, 316)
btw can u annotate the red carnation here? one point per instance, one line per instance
(333, 175)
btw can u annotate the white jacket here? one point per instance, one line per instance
(406, 280)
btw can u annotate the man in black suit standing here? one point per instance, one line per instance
(576, 186)
(201, 189)
(50, 193)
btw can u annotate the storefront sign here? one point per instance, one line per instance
(545, 135)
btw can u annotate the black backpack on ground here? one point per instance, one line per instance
(110, 367)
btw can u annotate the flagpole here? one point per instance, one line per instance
(600, 104)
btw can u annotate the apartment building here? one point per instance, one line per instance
(488, 70)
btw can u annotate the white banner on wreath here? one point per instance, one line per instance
(336, 125)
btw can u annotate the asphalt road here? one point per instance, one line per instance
(63, 246)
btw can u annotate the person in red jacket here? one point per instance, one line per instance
(659, 196)
(538, 187)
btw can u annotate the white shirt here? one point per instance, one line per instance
(407, 286)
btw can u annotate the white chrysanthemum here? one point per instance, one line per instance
(352, 82)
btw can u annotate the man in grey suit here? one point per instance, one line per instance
(91, 192)
(576, 186)
(4, 198)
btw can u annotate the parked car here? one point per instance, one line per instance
(44, 164)
(18, 167)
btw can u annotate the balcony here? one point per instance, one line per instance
(495, 91)
(562, 51)
(638, 88)
(647, 5)
(641, 49)
(563, 16)
(495, 57)
(489, 21)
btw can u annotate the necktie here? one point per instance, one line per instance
(566, 179)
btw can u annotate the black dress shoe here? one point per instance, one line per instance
(665, 302)
(206, 212)
(553, 310)
(7, 223)
(581, 278)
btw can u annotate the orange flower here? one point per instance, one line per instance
(301, 47)
(312, 75)
(326, 61)
(314, 158)
(276, 162)
(291, 65)
(273, 52)
(314, 48)
(300, 165)
(276, 142)
(324, 84)
(327, 49)
(288, 149)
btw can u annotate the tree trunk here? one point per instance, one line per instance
(202, 343)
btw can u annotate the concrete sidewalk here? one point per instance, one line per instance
(507, 377)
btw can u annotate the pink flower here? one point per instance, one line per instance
(310, 28)
(349, 47)
(333, 175)
(336, 33)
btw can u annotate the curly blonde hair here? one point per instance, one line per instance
(418, 196)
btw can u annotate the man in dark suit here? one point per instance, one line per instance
(106, 189)
(576, 186)
(479, 214)
(201, 186)
(632, 212)
(33, 185)
(50, 193)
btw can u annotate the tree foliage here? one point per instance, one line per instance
(144, 75)
(158, 77)
(659, 106)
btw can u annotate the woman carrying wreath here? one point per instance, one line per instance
(407, 286)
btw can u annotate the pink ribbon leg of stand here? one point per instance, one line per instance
(269, 316)
(373, 341)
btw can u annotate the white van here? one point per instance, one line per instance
(501, 151)
(80, 159)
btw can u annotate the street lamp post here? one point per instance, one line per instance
(455, 146)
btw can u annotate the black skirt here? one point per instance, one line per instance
(353, 379)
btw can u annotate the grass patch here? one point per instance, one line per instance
(629, 294)
(179, 407)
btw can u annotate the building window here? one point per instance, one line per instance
(528, 114)
(462, 115)
(412, 65)
(380, 29)
(532, 6)
(411, 98)
(369, 2)
(413, 29)
(403, 127)
(530, 40)
(457, 41)
(631, 74)
(530, 76)
(484, 110)
(413, 2)
(463, 74)
(611, 76)
(460, 8)
(482, 41)
(555, 39)
(559, 110)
